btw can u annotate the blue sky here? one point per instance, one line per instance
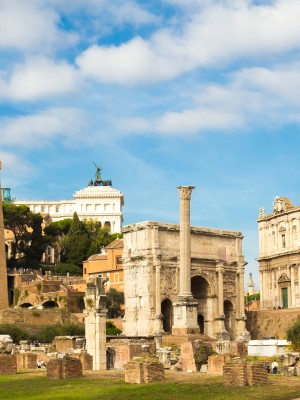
(162, 94)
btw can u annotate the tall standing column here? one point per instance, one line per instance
(3, 270)
(185, 309)
(185, 241)
(242, 335)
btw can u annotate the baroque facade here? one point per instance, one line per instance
(162, 295)
(279, 255)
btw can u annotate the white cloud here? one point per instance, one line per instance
(38, 130)
(14, 167)
(219, 33)
(31, 26)
(38, 78)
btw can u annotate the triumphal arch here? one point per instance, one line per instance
(180, 279)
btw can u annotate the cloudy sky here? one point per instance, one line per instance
(161, 94)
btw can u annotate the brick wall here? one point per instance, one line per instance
(144, 371)
(242, 373)
(86, 360)
(64, 368)
(216, 363)
(270, 323)
(26, 361)
(8, 364)
(24, 317)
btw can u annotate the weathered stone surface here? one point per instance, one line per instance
(26, 360)
(144, 371)
(64, 368)
(86, 360)
(216, 363)
(8, 364)
(242, 373)
(151, 261)
(126, 349)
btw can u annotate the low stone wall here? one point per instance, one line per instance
(86, 360)
(64, 368)
(8, 364)
(216, 363)
(144, 371)
(25, 317)
(270, 323)
(125, 350)
(242, 373)
(26, 361)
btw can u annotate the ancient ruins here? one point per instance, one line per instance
(181, 280)
(95, 322)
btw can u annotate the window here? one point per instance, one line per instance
(283, 241)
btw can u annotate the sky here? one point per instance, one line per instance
(160, 94)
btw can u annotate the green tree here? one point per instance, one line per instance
(114, 300)
(293, 335)
(75, 245)
(63, 268)
(29, 243)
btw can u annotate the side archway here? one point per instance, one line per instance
(229, 322)
(50, 304)
(167, 312)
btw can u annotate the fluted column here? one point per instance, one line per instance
(185, 241)
(220, 271)
(3, 270)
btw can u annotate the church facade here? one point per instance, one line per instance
(279, 255)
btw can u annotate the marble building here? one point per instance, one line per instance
(279, 255)
(180, 279)
(98, 201)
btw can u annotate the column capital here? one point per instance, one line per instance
(185, 192)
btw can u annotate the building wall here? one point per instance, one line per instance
(279, 255)
(100, 203)
(108, 264)
(151, 277)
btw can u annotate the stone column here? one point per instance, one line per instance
(221, 333)
(242, 334)
(3, 270)
(293, 297)
(95, 322)
(185, 309)
(185, 241)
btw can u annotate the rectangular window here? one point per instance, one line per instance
(283, 241)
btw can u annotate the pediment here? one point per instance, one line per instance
(284, 278)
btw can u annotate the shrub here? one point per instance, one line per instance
(111, 329)
(14, 332)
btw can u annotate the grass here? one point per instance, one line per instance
(110, 385)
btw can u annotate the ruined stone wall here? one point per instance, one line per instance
(8, 364)
(64, 343)
(35, 317)
(26, 361)
(86, 360)
(270, 323)
(64, 368)
(144, 372)
(244, 374)
(216, 363)
(126, 351)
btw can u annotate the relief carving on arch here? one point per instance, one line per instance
(210, 276)
(168, 281)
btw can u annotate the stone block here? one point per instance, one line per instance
(8, 364)
(144, 371)
(86, 360)
(64, 368)
(241, 373)
(26, 361)
(216, 363)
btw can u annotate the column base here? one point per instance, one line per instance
(185, 316)
(242, 334)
